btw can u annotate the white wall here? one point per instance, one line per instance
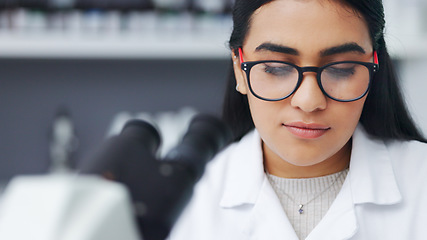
(406, 35)
(414, 81)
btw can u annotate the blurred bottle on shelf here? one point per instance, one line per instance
(210, 6)
(212, 15)
(63, 142)
(173, 17)
(139, 23)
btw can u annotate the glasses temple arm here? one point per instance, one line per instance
(376, 57)
(241, 55)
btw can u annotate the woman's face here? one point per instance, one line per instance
(307, 134)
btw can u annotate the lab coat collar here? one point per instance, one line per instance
(246, 172)
(267, 220)
(371, 173)
(370, 180)
(340, 220)
(248, 184)
(371, 176)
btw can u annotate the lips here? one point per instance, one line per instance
(306, 130)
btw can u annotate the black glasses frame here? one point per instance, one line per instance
(247, 66)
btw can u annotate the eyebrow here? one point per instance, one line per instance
(272, 47)
(344, 48)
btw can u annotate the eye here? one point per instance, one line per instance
(340, 70)
(278, 69)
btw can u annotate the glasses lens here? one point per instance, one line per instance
(273, 80)
(345, 81)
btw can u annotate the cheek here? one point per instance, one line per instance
(267, 116)
(263, 112)
(347, 115)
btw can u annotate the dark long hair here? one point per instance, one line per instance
(384, 116)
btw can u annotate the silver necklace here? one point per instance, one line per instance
(301, 205)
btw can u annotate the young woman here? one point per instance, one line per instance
(325, 148)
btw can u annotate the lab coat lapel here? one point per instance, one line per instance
(340, 221)
(370, 180)
(245, 173)
(371, 171)
(248, 188)
(267, 218)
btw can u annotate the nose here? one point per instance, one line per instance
(309, 97)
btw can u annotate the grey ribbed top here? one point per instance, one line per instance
(316, 194)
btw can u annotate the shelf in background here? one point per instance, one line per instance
(149, 46)
(113, 34)
(26, 33)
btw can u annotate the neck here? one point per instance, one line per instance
(334, 164)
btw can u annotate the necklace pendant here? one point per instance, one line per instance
(300, 210)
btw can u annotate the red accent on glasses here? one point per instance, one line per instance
(376, 57)
(241, 55)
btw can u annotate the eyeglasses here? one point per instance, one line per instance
(343, 81)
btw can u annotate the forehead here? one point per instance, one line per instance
(307, 25)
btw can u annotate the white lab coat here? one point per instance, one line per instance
(383, 197)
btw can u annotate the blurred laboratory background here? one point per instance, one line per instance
(72, 71)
